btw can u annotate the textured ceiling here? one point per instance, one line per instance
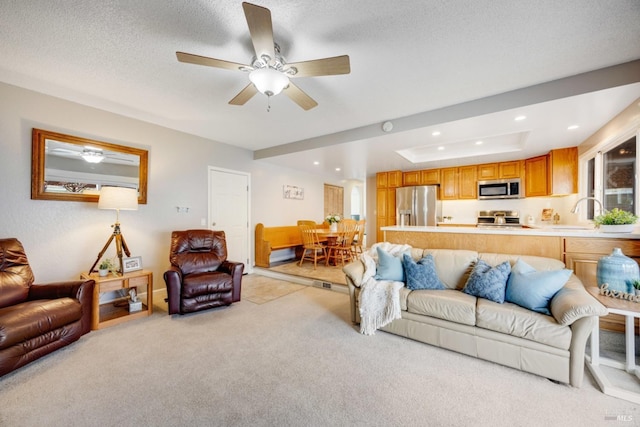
(407, 58)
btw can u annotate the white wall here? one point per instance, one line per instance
(62, 239)
(274, 210)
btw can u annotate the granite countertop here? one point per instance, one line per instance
(550, 230)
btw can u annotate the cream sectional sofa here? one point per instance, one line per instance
(552, 346)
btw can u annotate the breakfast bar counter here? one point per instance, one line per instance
(551, 230)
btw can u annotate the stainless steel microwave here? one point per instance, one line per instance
(499, 189)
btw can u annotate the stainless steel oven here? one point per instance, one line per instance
(499, 189)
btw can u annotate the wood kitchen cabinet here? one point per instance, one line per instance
(581, 254)
(535, 171)
(488, 171)
(389, 179)
(410, 178)
(458, 183)
(509, 170)
(502, 170)
(554, 174)
(563, 171)
(386, 184)
(386, 210)
(421, 177)
(430, 177)
(449, 183)
(467, 182)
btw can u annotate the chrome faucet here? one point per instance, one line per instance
(576, 209)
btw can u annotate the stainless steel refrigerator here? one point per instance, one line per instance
(418, 206)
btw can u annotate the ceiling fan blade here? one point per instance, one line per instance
(299, 97)
(210, 62)
(261, 29)
(244, 95)
(322, 67)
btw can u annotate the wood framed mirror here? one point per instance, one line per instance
(70, 168)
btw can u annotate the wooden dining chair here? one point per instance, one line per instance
(357, 246)
(313, 250)
(348, 221)
(342, 249)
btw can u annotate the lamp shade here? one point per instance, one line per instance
(118, 198)
(269, 81)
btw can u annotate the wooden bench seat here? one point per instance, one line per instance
(268, 239)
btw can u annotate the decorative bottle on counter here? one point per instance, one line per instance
(618, 271)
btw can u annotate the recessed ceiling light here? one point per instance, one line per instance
(572, 127)
(441, 148)
(519, 118)
(316, 163)
(478, 142)
(436, 133)
(337, 169)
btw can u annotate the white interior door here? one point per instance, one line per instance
(229, 211)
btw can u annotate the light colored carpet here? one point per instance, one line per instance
(261, 289)
(296, 360)
(329, 273)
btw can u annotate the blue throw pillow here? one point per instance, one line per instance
(389, 267)
(533, 289)
(421, 274)
(488, 282)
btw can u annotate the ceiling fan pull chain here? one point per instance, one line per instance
(268, 104)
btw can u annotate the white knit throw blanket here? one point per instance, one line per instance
(379, 299)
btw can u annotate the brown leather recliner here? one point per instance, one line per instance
(37, 319)
(200, 276)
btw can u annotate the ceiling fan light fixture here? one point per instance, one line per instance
(269, 81)
(92, 156)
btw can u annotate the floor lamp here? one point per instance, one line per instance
(118, 198)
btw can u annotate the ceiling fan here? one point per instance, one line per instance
(269, 73)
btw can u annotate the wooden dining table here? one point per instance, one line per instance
(326, 235)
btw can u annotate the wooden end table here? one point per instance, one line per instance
(113, 313)
(630, 310)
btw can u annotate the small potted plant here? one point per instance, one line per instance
(105, 266)
(636, 286)
(333, 220)
(616, 221)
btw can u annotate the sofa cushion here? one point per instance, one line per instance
(488, 282)
(520, 322)
(421, 274)
(448, 304)
(31, 319)
(537, 262)
(453, 265)
(15, 274)
(389, 267)
(201, 284)
(534, 289)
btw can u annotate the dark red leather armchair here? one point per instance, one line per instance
(200, 276)
(37, 319)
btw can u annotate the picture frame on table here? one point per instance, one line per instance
(131, 264)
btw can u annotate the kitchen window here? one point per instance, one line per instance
(611, 176)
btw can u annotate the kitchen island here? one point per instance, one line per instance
(579, 248)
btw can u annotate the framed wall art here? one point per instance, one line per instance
(293, 192)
